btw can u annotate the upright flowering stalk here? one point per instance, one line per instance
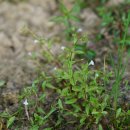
(26, 108)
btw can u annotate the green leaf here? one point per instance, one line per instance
(66, 23)
(71, 101)
(81, 95)
(60, 104)
(77, 88)
(92, 89)
(70, 113)
(50, 86)
(95, 113)
(63, 9)
(100, 127)
(80, 47)
(75, 39)
(44, 85)
(51, 111)
(90, 54)
(82, 120)
(75, 9)
(38, 118)
(74, 18)
(118, 112)
(4, 114)
(2, 82)
(42, 97)
(65, 92)
(128, 112)
(76, 107)
(48, 128)
(87, 109)
(10, 121)
(58, 19)
(34, 127)
(40, 110)
(104, 112)
(79, 52)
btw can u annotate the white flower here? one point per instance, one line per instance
(79, 30)
(55, 68)
(63, 48)
(96, 75)
(91, 62)
(30, 53)
(36, 41)
(25, 102)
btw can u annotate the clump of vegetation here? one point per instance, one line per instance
(75, 95)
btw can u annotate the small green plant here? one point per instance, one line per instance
(74, 94)
(118, 67)
(106, 16)
(67, 16)
(79, 96)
